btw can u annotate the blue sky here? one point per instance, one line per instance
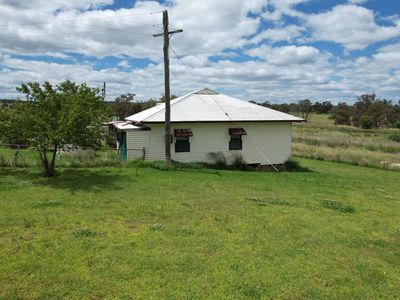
(275, 50)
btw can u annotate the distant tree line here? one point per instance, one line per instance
(367, 112)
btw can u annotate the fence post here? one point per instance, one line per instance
(144, 153)
(14, 163)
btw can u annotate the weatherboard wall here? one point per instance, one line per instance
(265, 142)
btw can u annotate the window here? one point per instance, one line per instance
(182, 143)
(235, 143)
(236, 138)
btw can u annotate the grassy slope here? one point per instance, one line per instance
(320, 139)
(146, 233)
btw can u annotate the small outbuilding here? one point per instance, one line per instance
(205, 121)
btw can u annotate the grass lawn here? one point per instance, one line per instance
(127, 233)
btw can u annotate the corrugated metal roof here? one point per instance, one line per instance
(206, 105)
(124, 125)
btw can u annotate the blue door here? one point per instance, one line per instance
(122, 146)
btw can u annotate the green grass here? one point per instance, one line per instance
(127, 233)
(348, 144)
(320, 118)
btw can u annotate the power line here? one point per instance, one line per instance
(78, 32)
(77, 8)
(130, 14)
(187, 67)
(68, 21)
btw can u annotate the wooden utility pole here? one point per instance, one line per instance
(103, 91)
(167, 34)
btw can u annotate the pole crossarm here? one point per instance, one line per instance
(169, 32)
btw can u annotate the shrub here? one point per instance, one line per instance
(395, 136)
(366, 122)
(218, 159)
(397, 125)
(238, 162)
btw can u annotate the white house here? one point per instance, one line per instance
(205, 121)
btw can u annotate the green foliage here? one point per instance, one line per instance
(238, 162)
(338, 206)
(397, 125)
(379, 112)
(366, 122)
(322, 108)
(341, 114)
(395, 136)
(124, 106)
(218, 159)
(61, 117)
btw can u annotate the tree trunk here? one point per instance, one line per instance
(48, 167)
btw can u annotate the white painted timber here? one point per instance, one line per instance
(265, 143)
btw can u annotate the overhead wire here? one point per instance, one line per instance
(103, 29)
(78, 8)
(186, 66)
(68, 21)
(52, 16)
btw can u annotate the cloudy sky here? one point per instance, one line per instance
(275, 50)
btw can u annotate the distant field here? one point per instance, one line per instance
(320, 118)
(320, 139)
(140, 233)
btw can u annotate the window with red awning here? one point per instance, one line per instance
(237, 131)
(183, 132)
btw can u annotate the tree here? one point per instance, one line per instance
(305, 108)
(123, 106)
(56, 118)
(322, 108)
(376, 109)
(342, 114)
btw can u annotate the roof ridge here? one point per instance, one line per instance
(178, 100)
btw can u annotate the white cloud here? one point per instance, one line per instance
(211, 29)
(128, 31)
(288, 33)
(352, 26)
(286, 55)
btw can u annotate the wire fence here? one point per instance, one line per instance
(19, 156)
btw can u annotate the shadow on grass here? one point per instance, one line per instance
(288, 166)
(74, 180)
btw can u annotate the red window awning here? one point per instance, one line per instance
(183, 132)
(237, 131)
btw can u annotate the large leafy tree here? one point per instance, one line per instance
(62, 117)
